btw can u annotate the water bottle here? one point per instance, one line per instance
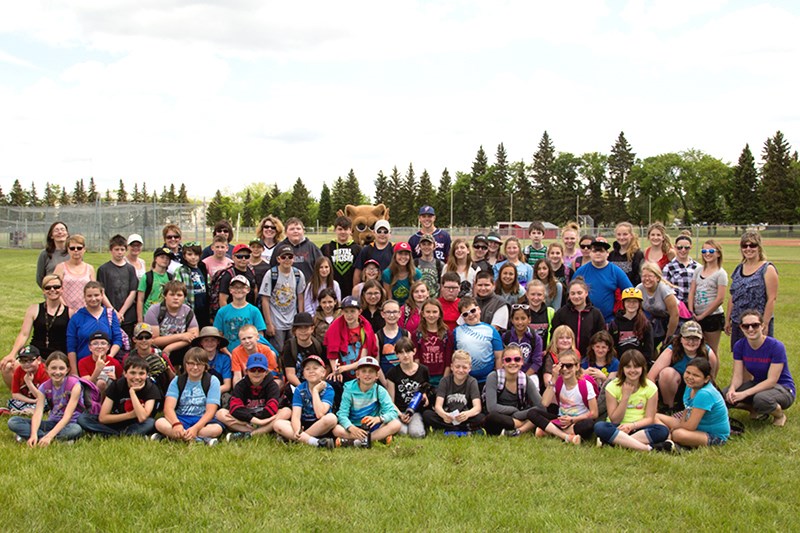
(415, 403)
(457, 433)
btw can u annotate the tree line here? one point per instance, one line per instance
(691, 186)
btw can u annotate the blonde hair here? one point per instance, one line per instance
(653, 269)
(247, 328)
(633, 247)
(196, 355)
(50, 277)
(666, 243)
(461, 355)
(576, 359)
(561, 331)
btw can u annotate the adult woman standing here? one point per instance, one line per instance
(771, 389)
(659, 302)
(172, 240)
(626, 253)
(74, 273)
(89, 319)
(270, 231)
(585, 248)
(754, 285)
(55, 251)
(660, 250)
(48, 320)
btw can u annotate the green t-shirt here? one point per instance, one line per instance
(637, 403)
(155, 295)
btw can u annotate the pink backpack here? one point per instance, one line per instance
(583, 388)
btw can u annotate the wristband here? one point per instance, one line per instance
(176, 424)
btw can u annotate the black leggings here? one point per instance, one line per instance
(494, 423)
(541, 419)
(433, 420)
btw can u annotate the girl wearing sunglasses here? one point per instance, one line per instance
(510, 397)
(707, 292)
(576, 398)
(75, 273)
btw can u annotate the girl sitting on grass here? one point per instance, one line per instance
(510, 397)
(632, 400)
(705, 421)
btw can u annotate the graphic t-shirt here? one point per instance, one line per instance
(405, 386)
(457, 397)
(193, 400)
(302, 398)
(119, 392)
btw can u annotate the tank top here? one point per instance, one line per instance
(139, 266)
(73, 286)
(748, 292)
(50, 332)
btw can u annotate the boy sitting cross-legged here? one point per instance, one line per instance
(312, 405)
(458, 402)
(254, 401)
(365, 406)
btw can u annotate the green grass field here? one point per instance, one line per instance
(440, 483)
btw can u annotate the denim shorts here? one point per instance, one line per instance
(715, 441)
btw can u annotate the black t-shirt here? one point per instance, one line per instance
(119, 392)
(458, 396)
(405, 386)
(383, 257)
(290, 360)
(343, 257)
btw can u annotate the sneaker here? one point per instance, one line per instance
(68, 442)
(599, 443)
(452, 433)
(20, 439)
(667, 446)
(509, 433)
(210, 441)
(156, 437)
(327, 444)
(345, 443)
(237, 435)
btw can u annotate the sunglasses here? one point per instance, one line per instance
(708, 251)
(568, 366)
(256, 370)
(285, 256)
(586, 246)
(51, 287)
(273, 228)
(169, 237)
(382, 231)
(242, 256)
(144, 337)
(752, 325)
(742, 246)
(683, 247)
(515, 359)
(223, 231)
(472, 311)
(524, 307)
(75, 248)
(481, 247)
(191, 243)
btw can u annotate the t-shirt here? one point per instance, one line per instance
(230, 319)
(58, 398)
(430, 275)
(603, 284)
(118, 282)
(283, 297)
(213, 265)
(222, 365)
(225, 283)
(303, 399)
(450, 313)
(118, 391)
(457, 397)
(480, 341)
(199, 288)
(386, 353)
(406, 385)
(239, 358)
(757, 362)
(655, 307)
(112, 370)
(155, 292)
(400, 290)
(434, 351)
(715, 421)
(292, 361)
(533, 254)
(193, 400)
(707, 289)
(170, 324)
(343, 257)
(524, 272)
(383, 256)
(606, 369)
(570, 401)
(18, 380)
(637, 402)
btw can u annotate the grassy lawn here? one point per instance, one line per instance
(438, 484)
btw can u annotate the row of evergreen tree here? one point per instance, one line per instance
(554, 186)
(57, 195)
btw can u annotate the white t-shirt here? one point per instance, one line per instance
(570, 401)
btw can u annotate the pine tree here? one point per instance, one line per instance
(381, 189)
(122, 194)
(91, 196)
(325, 213)
(183, 195)
(33, 196)
(566, 188)
(299, 203)
(442, 203)
(164, 198)
(425, 192)
(172, 197)
(64, 199)
(50, 195)
(618, 182)
(154, 198)
(393, 195)
(17, 197)
(339, 197)
(542, 179)
(462, 206)
(79, 193)
(108, 199)
(266, 203)
(408, 198)
(522, 193)
(144, 196)
(215, 210)
(501, 184)
(593, 174)
(136, 196)
(479, 193)
(778, 183)
(3, 198)
(248, 210)
(354, 195)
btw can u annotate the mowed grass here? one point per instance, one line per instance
(438, 484)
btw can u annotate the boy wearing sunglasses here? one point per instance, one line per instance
(254, 401)
(480, 340)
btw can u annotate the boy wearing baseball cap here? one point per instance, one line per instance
(30, 373)
(100, 368)
(254, 402)
(312, 408)
(349, 338)
(282, 296)
(366, 412)
(232, 317)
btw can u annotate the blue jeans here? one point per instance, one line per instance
(91, 424)
(22, 426)
(607, 432)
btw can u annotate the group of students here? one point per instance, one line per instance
(391, 338)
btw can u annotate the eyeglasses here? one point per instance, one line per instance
(75, 248)
(472, 311)
(98, 344)
(451, 287)
(480, 247)
(683, 247)
(285, 256)
(515, 359)
(708, 251)
(273, 228)
(568, 366)
(242, 256)
(51, 287)
(751, 325)
(382, 231)
(742, 246)
(171, 237)
(524, 307)
(193, 363)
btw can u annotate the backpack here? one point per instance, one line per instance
(522, 387)
(148, 283)
(205, 381)
(162, 313)
(90, 397)
(126, 341)
(213, 289)
(583, 388)
(273, 274)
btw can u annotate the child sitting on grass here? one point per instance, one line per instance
(458, 402)
(312, 408)
(191, 403)
(365, 406)
(99, 367)
(62, 392)
(254, 402)
(159, 368)
(129, 405)
(403, 382)
(23, 400)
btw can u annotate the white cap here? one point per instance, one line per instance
(135, 237)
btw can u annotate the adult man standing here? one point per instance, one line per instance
(306, 252)
(603, 278)
(427, 221)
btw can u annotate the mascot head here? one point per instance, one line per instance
(363, 218)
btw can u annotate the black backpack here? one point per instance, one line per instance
(148, 280)
(184, 378)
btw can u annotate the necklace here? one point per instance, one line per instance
(48, 323)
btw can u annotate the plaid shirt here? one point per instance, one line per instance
(681, 277)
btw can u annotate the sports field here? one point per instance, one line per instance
(467, 484)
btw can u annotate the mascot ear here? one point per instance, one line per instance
(340, 213)
(381, 211)
(349, 211)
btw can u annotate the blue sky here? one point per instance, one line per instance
(222, 94)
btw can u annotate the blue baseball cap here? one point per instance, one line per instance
(426, 210)
(257, 360)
